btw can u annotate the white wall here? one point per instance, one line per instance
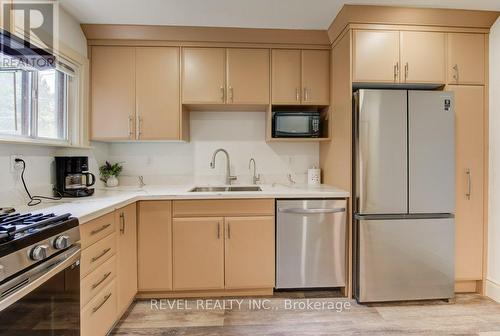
(242, 134)
(493, 277)
(70, 32)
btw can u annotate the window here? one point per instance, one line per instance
(34, 103)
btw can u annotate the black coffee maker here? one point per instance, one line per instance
(72, 176)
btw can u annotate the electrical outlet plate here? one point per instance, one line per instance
(15, 166)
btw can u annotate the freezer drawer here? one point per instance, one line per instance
(311, 243)
(407, 259)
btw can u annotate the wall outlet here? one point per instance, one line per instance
(15, 166)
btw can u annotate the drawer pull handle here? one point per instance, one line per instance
(94, 259)
(94, 286)
(311, 211)
(102, 228)
(96, 308)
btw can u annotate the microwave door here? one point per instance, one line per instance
(293, 125)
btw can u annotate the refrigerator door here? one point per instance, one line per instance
(310, 243)
(408, 259)
(431, 142)
(381, 151)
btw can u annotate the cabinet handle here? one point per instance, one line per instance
(306, 94)
(468, 193)
(222, 93)
(455, 72)
(122, 222)
(406, 70)
(96, 308)
(297, 94)
(228, 230)
(139, 126)
(218, 230)
(94, 259)
(396, 71)
(231, 94)
(102, 228)
(130, 132)
(94, 286)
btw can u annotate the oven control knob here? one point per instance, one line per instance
(39, 252)
(61, 242)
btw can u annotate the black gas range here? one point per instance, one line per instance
(39, 274)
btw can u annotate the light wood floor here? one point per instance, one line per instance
(469, 315)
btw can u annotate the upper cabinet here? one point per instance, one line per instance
(376, 56)
(225, 76)
(248, 76)
(422, 57)
(113, 93)
(135, 93)
(203, 75)
(300, 77)
(398, 57)
(466, 58)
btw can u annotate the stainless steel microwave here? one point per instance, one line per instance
(296, 125)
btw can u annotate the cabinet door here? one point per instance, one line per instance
(155, 246)
(466, 58)
(198, 245)
(469, 110)
(286, 86)
(158, 93)
(203, 75)
(422, 57)
(127, 256)
(316, 77)
(248, 76)
(376, 56)
(249, 252)
(112, 93)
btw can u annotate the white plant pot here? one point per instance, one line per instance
(112, 181)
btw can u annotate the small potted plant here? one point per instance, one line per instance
(109, 173)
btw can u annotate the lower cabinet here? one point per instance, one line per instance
(99, 315)
(249, 252)
(198, 253)
(126, 219)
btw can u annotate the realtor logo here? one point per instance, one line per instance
(30, 31)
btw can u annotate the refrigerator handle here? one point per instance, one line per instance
(469, 184)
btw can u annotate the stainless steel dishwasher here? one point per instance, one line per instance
(311, 243)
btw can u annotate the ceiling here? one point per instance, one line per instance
(288, 14)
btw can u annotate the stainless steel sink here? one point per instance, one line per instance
(226, 189)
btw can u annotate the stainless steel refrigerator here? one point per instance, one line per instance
(404, 204)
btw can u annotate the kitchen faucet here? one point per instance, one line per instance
(229, 178)
(255, 177)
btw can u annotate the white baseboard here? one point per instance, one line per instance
(493, 290)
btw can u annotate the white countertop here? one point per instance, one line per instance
(107, 200)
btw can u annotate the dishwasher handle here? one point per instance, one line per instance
(311, 210)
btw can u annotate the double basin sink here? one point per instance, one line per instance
(226, 189)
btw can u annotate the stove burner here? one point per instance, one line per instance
(16, 225)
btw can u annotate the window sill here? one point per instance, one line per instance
(39, 142)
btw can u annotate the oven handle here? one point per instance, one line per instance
(311, 211)
(31, 280)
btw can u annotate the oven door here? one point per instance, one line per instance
(44, 300)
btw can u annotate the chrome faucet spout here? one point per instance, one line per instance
(229, 177)
(255, 176)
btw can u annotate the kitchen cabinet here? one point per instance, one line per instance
(158, 93)
(315, 77)
(469, 221)
(422, 57)
(154, 246)
(99, 315)
(466, 58)
(198, 253)
(376, 56)
(113, 93)
(285, 78)
(249, 252)
(135, 93)
(247, 76)
(126, 256)
(203, 75)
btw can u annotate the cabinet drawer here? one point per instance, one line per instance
(233, 207)
(99, 315)
(97, 229)
(97, 254)
(93, 283)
